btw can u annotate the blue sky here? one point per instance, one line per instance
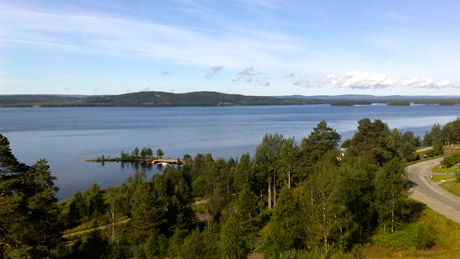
(248, 47)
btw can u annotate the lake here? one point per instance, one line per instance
(66, 136)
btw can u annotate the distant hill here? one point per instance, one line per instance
(213, 99)
(371, 97)
(35, 100)
(148, 99)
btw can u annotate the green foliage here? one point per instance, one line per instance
(28, 207)
(203, 99)
(288, 223)
(96, 246)
(450, 160)
(320, 141)
(198, 244)
(146, 153)
(346, 143)
(414, 235)
(160, 152)
(267, 155)
(391, 187)
(371, 142)
(324, 206)
(325, 212)
(233, 241)
(356, 192)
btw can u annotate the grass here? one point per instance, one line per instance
(439, 169)
(445, 231)
(452, 187)
(437, 178)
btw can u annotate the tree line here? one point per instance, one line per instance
(300, 199)
(136, 155)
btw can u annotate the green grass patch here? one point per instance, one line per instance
(439, 169)
(437, 178)
(452, 187)
(402, 245)
(414, 235)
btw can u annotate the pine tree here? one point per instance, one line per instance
(391, 190)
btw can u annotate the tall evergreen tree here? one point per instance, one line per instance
(233, 242)
(267, 155)
(289, 160)
(371, 141)
(28, 207)
(321, 140)
(325, 212)
(391, 190)
(289, 223)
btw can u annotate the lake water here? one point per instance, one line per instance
(66, 136)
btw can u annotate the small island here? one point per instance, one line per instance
(144, 155)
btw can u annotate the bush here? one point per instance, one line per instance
(425, 237)
(457, 177)
(448, 161)
(414, 235)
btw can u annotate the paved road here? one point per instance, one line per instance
(426, 191)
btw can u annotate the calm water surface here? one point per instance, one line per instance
(66, 136)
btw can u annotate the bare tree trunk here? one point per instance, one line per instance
(274, 189)
(392, 221)
(289, 178)
(269, 193)
(112, 211)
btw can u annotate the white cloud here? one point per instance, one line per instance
(370, 80)
(289, 75)
(145, 89)
(355, 79)
(247, 72)
(445, 83)
(214, 71)
(264, 82)
(427, 83)
(364, 80)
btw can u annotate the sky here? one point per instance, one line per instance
(251, 47)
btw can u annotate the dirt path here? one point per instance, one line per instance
(428, 192)
(199, 217)
(96, 228)
(424, 149)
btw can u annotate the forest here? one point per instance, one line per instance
(155, 98)
(306, 199)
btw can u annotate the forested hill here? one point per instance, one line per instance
(148, 99)
(185, 99)
(212, 99)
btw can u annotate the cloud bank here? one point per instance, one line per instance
(357, 79)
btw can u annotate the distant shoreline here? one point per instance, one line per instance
(213, 99)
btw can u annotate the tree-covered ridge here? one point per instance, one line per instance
(152, 98)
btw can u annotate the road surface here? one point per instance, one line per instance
(428, 192)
